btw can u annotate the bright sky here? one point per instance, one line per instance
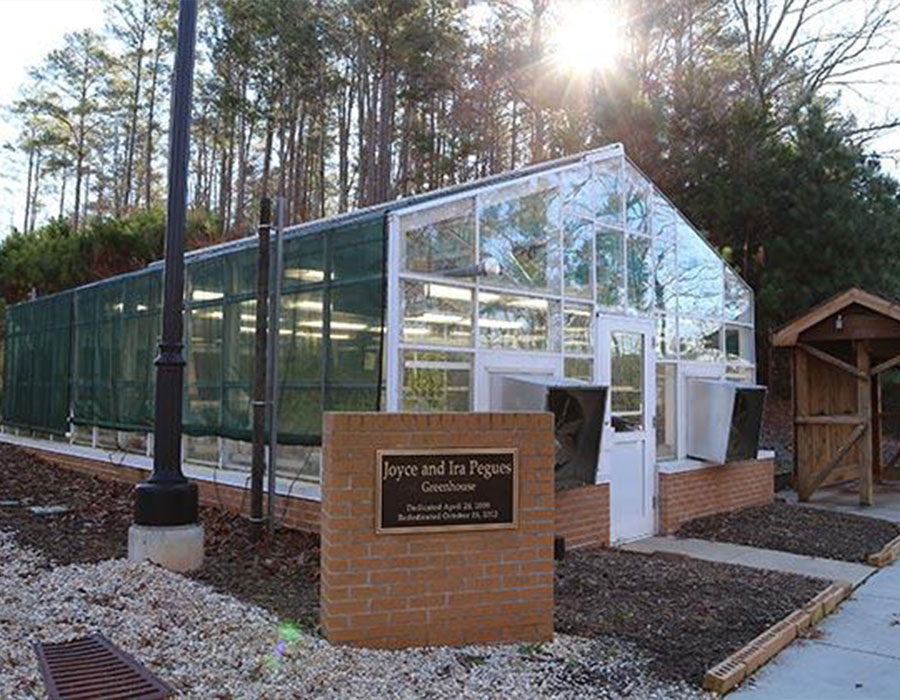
(29, 29)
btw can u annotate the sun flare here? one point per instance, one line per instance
(587, 37)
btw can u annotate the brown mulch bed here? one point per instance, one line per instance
(280, 574)
(688, 615)
(797, 529)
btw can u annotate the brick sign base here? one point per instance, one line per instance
(438, 588)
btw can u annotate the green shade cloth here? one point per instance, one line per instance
(86, 355)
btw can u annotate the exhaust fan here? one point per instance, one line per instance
(724, 420)
(578, 409)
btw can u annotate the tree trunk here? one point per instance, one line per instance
(151, 108)
(62, 193)
(28, 189)
(135, 100)
(35, 191)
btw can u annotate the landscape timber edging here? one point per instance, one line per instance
(886, 555)
(725, 675)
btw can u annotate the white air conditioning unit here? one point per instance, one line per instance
(724, 420)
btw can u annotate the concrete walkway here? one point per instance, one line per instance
(757, 558)
(856, 654)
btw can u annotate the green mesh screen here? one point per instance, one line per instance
(116, 329)
(329, 343)
(37, 364)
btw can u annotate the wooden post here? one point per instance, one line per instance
(864, 409)
(877, 467)
(801, 409)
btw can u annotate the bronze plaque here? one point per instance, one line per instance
(441, 490)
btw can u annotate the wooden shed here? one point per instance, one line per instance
(840, 349)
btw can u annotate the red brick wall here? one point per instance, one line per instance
(693, 494)
(300, 514)
(582, 516)
(395, 590)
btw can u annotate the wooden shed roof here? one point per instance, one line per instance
(789, 334)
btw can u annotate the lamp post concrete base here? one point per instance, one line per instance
(177, 548)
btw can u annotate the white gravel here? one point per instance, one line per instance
(206, 644)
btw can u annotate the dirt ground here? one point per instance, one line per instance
(797, 529)
(687, 614)
(280, 574)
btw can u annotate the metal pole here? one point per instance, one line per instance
(259, 371)
(167, 498)
(274, 335)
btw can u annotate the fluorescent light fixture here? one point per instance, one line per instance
(500, 324)
(205, 295)
(578, 312)
(304, 274)
(442, 291)
(214, 314)
(540, 304)
(303, 304)
(434, 317)
(337, 325)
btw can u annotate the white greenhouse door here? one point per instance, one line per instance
(625, 349)
(490, 364)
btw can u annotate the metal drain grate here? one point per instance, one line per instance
(93, 667)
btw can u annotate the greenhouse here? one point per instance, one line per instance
(579, 268)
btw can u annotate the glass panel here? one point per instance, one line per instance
(665, 411)
(579, 192)
(740, 353)
(701, 275)
(742, 374)
(436, 381)
(440, 238)
(637, 198)
(520, 230)
(304, 261)
(738, 298)
(354, 337)
(739, 344)
(240, 339)
(518, 322)
(640, 275)
(578, 255)
(357, 250)
(436, 313)
(578, 330)
(607, 174)
(579, 368)
(610, 267)
(300, 337)
(627, 381)
(700, 339)
(662, 216)
(204, 365)
(666, 338)
(665, 272)
(206, 280)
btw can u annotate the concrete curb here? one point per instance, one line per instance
(724, 676)
(886, 555)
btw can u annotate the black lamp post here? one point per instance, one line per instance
(167, 498)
